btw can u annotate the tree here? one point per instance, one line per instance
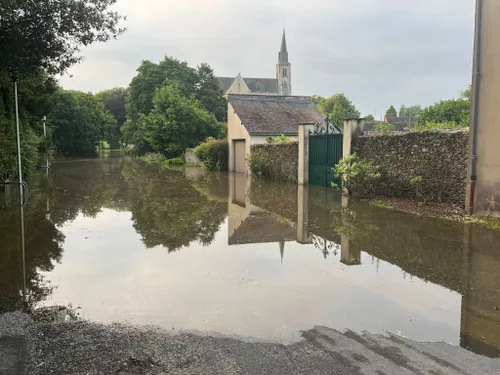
(79, 122)
(453, 111)
(410, 114)
(177, 122)
(391, 112)
(370, 118)
(114, 102)
(210, 94)
(49, 34)
(337, 108)
(151, 77)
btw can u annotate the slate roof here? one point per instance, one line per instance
(274, 115)
(255, 85)
(399, 122)
(262, 228)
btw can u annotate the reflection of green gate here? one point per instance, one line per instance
(325, 151)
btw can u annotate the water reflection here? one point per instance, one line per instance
(260, 258)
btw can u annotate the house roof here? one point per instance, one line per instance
(399, 122)
(274, 115)
(262, 228)
(255, 85)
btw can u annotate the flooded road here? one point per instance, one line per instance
(122, 241)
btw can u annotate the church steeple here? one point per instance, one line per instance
(284, 70)
(283, 54)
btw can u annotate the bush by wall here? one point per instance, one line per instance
(275, 161)
(439, 157)
(214, 154)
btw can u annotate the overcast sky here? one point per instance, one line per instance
(378, 52)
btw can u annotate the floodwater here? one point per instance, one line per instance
(118, 240)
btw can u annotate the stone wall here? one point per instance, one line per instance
(283, 160)
(440, 158)
(190, 157)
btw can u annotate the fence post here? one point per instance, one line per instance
(352, 128)
(303, 165)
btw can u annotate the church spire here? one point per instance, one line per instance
(283, 54)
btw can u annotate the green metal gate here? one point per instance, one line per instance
(325, 151)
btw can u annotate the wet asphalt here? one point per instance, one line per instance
(34, 346)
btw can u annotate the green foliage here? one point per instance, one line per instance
(49, 34)
(447, 111)
(214, 154)
(431, 125)
(174, 162)
(259, 164)
(35, 93)
(384, 128)
(114, 102)
(199, 83)
(279, 139)
(391, 112)
(177, 122)
(369, 118)
(336, 107)
(355, 173)
(79, 123)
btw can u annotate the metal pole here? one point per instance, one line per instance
(45, 136)
(18, 132)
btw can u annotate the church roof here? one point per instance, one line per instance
(255, 85)
(283, 54)
(274, 115)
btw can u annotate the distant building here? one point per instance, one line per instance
(253, 118)
(281, 85)
(400, 123)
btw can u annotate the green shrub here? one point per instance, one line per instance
(214, 154)
(355, 173)
(153, 157)
(259, 164)
(174, 162)
(383, 128)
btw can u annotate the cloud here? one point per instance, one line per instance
(379, 52)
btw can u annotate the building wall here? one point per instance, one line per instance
(487, 189)
(238, 87)
(440, 158)
(235, 130)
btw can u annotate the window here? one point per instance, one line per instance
(284, 72)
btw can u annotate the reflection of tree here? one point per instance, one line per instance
(86, 187)
(167, 210)
(43, 246)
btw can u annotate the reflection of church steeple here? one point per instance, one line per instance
(282, 250)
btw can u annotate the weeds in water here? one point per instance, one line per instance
(379, 203)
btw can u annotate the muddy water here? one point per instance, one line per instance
(118, 240)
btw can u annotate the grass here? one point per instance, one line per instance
(489, 222)
(379, 203)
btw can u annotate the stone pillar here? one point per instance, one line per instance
(352, 127)
(303, 165)
(348, 256)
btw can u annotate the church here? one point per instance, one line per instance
(281, 85)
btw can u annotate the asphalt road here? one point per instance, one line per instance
(37, 347)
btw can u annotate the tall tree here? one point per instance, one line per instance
(49, 34)
(337, 107)
(201, 83)
(177, 122)
(391, 112)
(455, 110)
(79, 122)
(210, 94)
(114, 102)
(410, 114)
